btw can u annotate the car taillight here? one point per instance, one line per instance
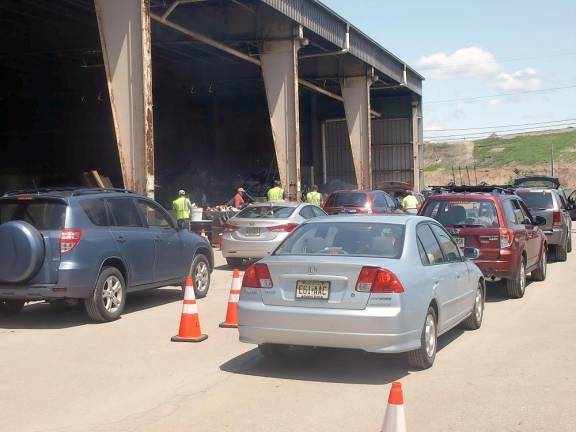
(368, 205)
(506, 238)
(69, 239)
(229, 228)
(556, 218)
(378, 280)
(283, 228)
(257, 276)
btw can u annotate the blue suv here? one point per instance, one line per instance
(93, 245)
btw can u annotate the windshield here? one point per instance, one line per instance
(266, 212)
(44, 215)
(350, 199)
(463, 213)
(361, 239)
(541, 200)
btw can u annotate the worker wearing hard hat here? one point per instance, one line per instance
(410, 203)
(314, 197)
(276, 193)
(239, 199)
(182, 206)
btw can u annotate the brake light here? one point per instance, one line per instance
(283, 228)
(229, 228)
(368, 205)
(24, 198)
(556, 218)
(69, 239)
(378, 280)
(257, 276)
(506, 238)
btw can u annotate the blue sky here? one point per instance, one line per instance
(477, 48)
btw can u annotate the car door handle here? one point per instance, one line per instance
(121, 239)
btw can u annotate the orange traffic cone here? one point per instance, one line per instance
(394, 419)
(232, 312)
(189, 322)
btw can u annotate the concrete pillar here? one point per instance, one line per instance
(417, 145)
(125, 37)
(279, 60)
(356, 93)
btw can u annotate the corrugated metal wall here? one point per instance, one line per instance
(391, 151)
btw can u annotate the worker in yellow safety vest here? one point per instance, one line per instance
(410, 203)
(276, 193)
(314, 197)
(182, 206)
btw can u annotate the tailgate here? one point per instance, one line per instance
(487, 240)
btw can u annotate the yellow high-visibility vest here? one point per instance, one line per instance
(181, 207)
(314, 198)
(276, 194)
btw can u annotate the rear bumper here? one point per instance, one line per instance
(554, 236)
(232, 248)
(374, 329)
(505, 267)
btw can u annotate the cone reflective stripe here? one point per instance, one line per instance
(189, 322)
(394, 419)
(232, 311)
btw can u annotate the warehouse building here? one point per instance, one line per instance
(205, 95)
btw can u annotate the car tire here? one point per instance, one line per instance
(474, 321)
(569, 245)
(201, 276)
(560, 253)
(515, 288)
(107, 301)
(234, 263)
(423, 357)
(11, 307)
(539, 274)
(275, 351)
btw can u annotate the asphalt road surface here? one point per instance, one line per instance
(59, 372)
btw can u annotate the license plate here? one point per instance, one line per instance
(460, 241)
(253, 232)
(313, 290)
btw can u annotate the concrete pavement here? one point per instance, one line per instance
(58, 372)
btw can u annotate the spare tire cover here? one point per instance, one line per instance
(21, 251)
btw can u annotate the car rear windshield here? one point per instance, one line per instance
(357, 239)
(266, 212)
(537, 200)
(348, 199)
(463, 213)
(44, 215)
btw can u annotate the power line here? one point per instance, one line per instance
(495, 131)
(500, 94)
(500, 126)
(448, 138)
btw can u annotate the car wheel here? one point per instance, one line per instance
(423, 357)
(539, 274)
(474, 321)
(234, 262)
(108, 298)
(515, 288)
(270, 350)
(201, 275)
(560, 253)
(11, 307)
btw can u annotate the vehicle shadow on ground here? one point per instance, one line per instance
(46, 316)
(496, 291)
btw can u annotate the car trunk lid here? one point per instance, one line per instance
(259, 229)
(487, 240)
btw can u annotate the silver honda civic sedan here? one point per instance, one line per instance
(384, 284)
(259, 228)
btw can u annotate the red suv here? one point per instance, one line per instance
(500, 226)
(366, 202)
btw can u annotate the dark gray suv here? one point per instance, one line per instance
(94, 245)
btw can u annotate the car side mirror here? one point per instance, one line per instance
(539, 221)
(471, 253)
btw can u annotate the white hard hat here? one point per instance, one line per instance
(182, 192)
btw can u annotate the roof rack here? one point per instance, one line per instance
(493, 189)
(72, 191)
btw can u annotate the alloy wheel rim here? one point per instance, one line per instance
(201, 277)
(479, 306)
(430, 336)
(112, 294)
(544, 263)
(522, 278)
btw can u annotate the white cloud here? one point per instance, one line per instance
(462, 63)
(494, 102)
(523, 80)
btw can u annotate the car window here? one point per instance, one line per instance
(154, 217)
(96, 211)
(422, 252)
(430, 244)
(351, 199)
(40, 213)
(518, 214)
(266, 212)
(448, 246)
(563, 203)
(526, 216)
(318, 212)
(538, 200)
(457, 212)
(380, 201)
(390, 201)
(360, 239)
(124, 212)
(509, 211)
(307, 212)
